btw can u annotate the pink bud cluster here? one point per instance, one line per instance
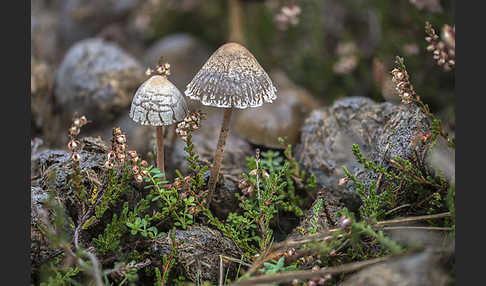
(443, 51)
(74, 130)
(162, 69)
(402, 85)
(248, 187)
(191, 123)
(119, 155)
(288, 15)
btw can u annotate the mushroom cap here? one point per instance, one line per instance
(158, 102)
(232, 77)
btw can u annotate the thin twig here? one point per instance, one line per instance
(418, 228)
(410, 219)
(308, 274)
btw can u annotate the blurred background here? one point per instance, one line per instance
(90, 56)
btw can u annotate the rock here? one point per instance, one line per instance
(185, 54)
(96, 79)
(326, 219)
(381, 130)
(282, 118)
(198, 252)
(426, 268)
(81, 19)
(56, 166)
(40, 249)
(43, 119)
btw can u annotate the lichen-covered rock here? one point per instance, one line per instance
(56, 166)
(175, 49)
(381, 130)
(198, 251)
(422, 269)
(96, 79)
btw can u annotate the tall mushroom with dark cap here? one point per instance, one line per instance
(231, 78)
(158, 102)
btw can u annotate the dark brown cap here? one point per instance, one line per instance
(232, 77)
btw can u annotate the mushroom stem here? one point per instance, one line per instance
(236, 33)
(218, 155)
(160, 148)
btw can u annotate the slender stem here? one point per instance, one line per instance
(218, 155)
(308, 274)
(236, 25)
(160, 148)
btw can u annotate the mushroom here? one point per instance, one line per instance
(158, 102)
(230, 78)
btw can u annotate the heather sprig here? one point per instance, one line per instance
(408, 95)
(444, 51)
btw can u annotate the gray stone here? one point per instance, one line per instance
(96, 79)
(198, 252)
(381, 130)
(426, 268)
(81, 19)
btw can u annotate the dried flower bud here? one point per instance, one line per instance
(74, 130)
(72, 145)
(75, 157)
(83, 120)
(187, 180)
(121, 138)
(139, 178)
(108, 165)
(77, 122)
(265, 174)
(111, 155)
(144, 164)
(342, 181)
(243, 183)
(135, 169)
(253, 172)
(121, 148)
(144, 173)
(121, 157)
(132, 153)
(290, 252)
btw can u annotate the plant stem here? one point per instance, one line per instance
(218, 155)
(160, 148)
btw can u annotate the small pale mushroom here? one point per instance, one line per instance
(158, 102)
(231, 78)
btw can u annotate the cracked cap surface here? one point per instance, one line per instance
(232, 77)
(158, 102)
